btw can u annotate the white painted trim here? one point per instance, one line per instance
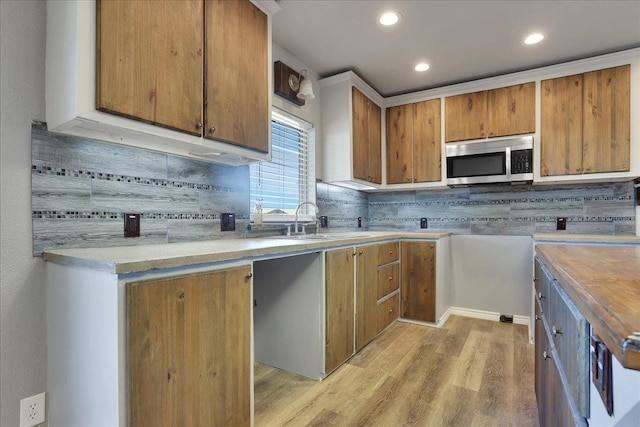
(418, 322)
(487, 315)
(552, 71)
(354, 80)
(443, 319)
(270, 7)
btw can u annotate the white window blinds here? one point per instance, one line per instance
(288, 179)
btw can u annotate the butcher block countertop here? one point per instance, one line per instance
(604, 282)
(131, 259)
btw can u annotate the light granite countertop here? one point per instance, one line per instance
(130, 259)
(587, 238)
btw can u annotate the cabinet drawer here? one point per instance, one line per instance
(542, 286)
(388, 311)
(388, 279)
(388, 252)
(569, 330)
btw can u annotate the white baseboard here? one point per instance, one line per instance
(486, 315)
(467, 312)
(443, 319)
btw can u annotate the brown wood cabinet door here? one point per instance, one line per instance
(360, 135)
(387, 312)
(418, 281)
(236, 74)
(149, 61)
(561, 126)
(388, 252)
(339, 307)
(375, 142)
(366, 299)
(426, 141)
(606, 120)
(465, 116)
(512, 110)
(400, 144)
(189, 350)
(388, 279)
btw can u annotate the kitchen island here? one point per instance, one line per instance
(588, 334)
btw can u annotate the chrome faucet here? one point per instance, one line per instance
(308, 202)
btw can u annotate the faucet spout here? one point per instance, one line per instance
(307, 202)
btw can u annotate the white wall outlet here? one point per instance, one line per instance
(32, 410)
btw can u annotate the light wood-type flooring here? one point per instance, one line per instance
(470, 372)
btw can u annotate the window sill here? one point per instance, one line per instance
(283, 218)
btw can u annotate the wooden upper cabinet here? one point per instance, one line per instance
(400, 144)
(367, 130)
(360, 135)
(427, 165)
(561, 126)
(236, 105)
(375, 142)
(606, 120)
(149, 62)
(486, 114)
(511, 110)
(414, 142)
(585, 123)
(465, 116)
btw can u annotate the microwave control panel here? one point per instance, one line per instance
(521, 161)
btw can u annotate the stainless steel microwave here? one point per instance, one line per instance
(483, 162)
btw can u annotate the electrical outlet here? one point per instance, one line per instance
(228, 222)
(131, 225)
(32, 410)
(423, 222)
(561, 223)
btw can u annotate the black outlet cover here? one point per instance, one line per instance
(423, 222)
(561, 223)
(131, 225)
(324, 221)
(228, 222)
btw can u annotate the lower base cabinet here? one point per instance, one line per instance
(339, 307)
(189, 349)
(561, 355)
(387, 312)
(418, 281)
(366, 294)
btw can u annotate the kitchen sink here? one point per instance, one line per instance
(322, 236)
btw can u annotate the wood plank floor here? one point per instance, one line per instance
(471, 372)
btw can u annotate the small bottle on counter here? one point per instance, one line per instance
(257, 213)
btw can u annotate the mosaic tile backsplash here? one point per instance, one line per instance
(82, 188)
(509, 210)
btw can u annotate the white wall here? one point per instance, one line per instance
(311, 111)
(492, 273)
(22, 294)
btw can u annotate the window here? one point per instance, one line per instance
(289, 178)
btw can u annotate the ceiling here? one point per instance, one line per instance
(461, 40)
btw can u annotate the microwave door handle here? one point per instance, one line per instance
(508, 162)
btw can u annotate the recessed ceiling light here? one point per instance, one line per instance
(534, 38)
(389, 18)
(423, 66)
